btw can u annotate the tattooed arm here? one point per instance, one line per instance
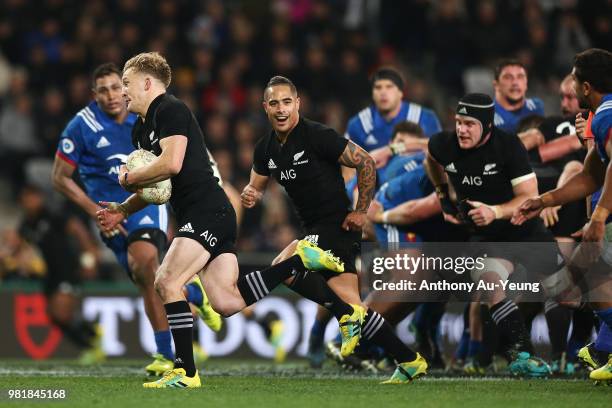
(355, 157)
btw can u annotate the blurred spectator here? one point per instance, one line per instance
(52, 113)
(225, 95)
(571, 39)
(18, 259)
(17, 139)
(223, 53)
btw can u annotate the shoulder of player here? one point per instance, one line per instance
(314, 126)
(172, 104)
(439, 144)
(442, 137)
(497, 107)
(363, 121)
(602, 120)
(534, 104)
(262, 145)
(505, 142)
(605, 109)
(86, 120)
(427, 112)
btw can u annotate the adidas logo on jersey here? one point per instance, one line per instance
(498, 120)
(371, 140)
(103, 142)
(187, 228)
(271, 164)
(451, 168)
(146, 220)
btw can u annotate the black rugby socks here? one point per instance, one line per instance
(180, 320)
(313, 286)
(255, 285)
(512, 331)
(376, 329)
(558, 319)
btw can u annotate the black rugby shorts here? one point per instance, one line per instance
(215, 230)
(343, 244)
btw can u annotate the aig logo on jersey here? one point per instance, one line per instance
(288, 174)
(472, 180)
(210, 238)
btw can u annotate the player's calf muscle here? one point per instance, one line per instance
(225, 300)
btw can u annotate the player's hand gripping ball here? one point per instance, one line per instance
(155, 193)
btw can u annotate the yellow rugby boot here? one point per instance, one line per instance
(176, 378)
(316, 259)
(350, 329)
(406, 372)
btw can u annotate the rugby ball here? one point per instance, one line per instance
(156, 193)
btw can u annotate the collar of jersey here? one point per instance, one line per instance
(378, 118)
(498, 107)
(106, 120)
(293, 131)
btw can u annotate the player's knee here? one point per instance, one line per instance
(164, 285)
(144, 266)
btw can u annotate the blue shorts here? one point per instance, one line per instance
(149, 224)
(389, 233)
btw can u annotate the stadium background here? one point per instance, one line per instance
(222, 53)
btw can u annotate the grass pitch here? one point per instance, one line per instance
(256, 383)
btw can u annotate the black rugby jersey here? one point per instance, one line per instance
(486, 173)
(195, 183)
(307, 167)
(548, 173)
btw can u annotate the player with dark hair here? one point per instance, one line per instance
(205, 240)
(593, 84)
(408, 142)
(490, 173)
(96, 142)
(511, 103)
(305, 157)
(372, 127)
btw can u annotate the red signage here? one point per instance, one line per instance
(30, 312)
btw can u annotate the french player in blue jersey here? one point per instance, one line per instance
(409, 144)
(592, 74)
(96, 142)
(511, 102)
(404, 209)
(372, 127)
